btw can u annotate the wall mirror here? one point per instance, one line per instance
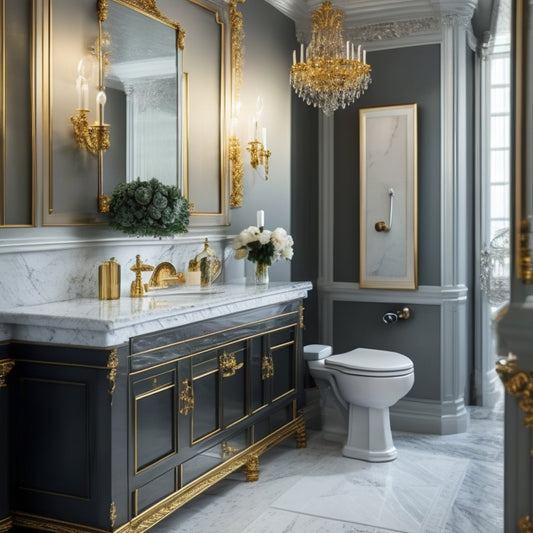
(142, 79)
(16, 115)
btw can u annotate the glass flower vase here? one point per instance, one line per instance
(261, 274)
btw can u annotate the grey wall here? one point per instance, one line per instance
(268, 44)
(401, 76)
(304, 206)
(360, 325)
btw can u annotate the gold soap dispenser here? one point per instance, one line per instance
(109, 280)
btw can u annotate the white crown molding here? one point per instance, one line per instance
(381, 19)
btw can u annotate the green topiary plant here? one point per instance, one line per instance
(148, 209)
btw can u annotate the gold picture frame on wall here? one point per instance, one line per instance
(388, 176)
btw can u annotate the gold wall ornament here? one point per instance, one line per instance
(93, 137)
(227, 363)
(186, 397)
(112, 364)
(237, 172)
(6, 366)
(517, 383)
(234, 145)
(329, 74)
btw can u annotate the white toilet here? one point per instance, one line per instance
(364, 383)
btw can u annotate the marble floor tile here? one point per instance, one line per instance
(438, 484)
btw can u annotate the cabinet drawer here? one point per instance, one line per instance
(214, 456)
(154, 491)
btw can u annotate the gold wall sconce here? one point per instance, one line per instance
(259, 155)
(93, 137)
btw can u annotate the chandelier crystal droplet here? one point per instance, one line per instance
(329, 74)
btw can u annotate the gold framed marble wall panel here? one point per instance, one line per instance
(17, 114)
(388, 193)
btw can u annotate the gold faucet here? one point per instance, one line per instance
(137, 289)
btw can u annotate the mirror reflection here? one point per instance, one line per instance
(142, 82)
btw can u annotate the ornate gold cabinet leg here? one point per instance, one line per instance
(252, 468)
(301, 435)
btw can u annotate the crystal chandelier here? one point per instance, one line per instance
(331, 74)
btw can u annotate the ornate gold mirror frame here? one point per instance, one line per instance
(522, 140)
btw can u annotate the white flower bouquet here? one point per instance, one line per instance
(263, 247)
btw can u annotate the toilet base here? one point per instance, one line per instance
(369, 435)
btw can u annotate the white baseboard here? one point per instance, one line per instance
(429, 416)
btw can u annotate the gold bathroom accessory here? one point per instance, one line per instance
(109, 280)
(137, 288)
(404, 314)
(208, 263)
(163, 277)
(382, 225)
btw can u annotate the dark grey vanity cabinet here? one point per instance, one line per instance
(116, 439)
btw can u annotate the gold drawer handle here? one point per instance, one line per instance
(227, 363)
(186, 397)
(267, 366)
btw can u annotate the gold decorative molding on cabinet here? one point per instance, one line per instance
(526, 263)
(6, 524)
(112, 364)
(186, 398)
(5, 368)
(525, 524)
(228, 364)
(301, 309)
(112, 514)
(234, 145)
(518, 383)
(267, 367)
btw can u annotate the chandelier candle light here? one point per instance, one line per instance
(329, 74)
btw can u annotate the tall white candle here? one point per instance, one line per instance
(100, 103)
(347, 49)
(359, 53)
(302, 53)
(353, 52)
(294, 57)
(84, 95)
(79, 91)
(260, 218)
(364, 57)
(264, 138)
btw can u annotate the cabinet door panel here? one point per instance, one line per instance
(205, 382)
(153, 491)
(232, 362)
(283, 354)
(154, 419)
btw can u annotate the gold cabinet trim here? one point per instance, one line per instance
(6, 524)
(228, 364)
(209, 349)
(214, 333)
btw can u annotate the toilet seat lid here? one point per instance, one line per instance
(366, 361)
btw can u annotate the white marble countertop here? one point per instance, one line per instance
(99, 323)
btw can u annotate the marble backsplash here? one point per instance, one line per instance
(64, 271)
